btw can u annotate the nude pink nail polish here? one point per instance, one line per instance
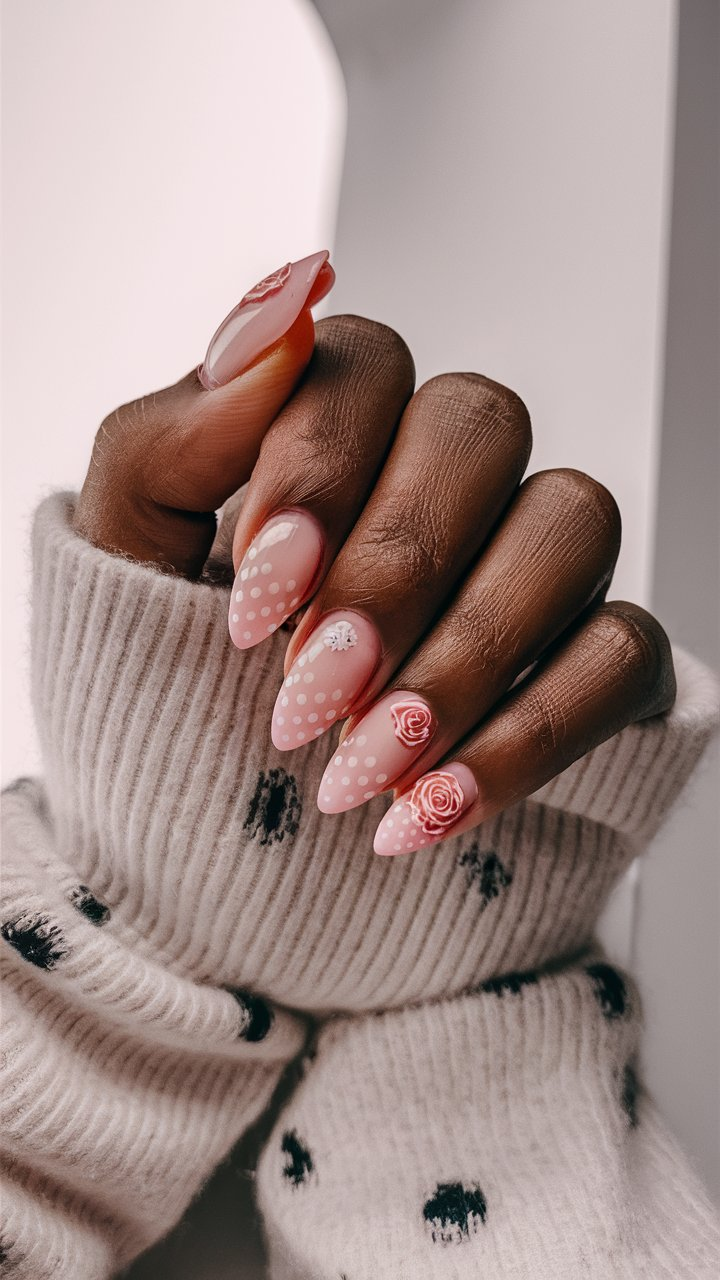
(275, 576)
(428, 811)
(380, 749)
(265, 313)
(328, 675)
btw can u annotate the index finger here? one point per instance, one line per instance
(317, 463)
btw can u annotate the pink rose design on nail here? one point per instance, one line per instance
(436, 801)
(271, 284)
(412, 720)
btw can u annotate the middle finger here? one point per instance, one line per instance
(459, 453)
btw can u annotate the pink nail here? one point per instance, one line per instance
(428, 811)
(276, 574)
(326, 678)
(380, 749)
(263, 316)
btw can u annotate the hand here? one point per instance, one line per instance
(455, 614)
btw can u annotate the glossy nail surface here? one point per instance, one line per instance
(428, 811)
(380, 749)
(261, 318)
(275, 576)
(326, 678)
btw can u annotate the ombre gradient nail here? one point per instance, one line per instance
(261, 318)
(275, 576)
(326, 678)
(380, 749)
(428, 811)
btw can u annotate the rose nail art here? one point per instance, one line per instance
(428, 811)
(263, 315)
(326, 678)
(275, 576)
(380, 749)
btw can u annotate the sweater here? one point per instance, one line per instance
(181, 924)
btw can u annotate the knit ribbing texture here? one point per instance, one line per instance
(174, 906)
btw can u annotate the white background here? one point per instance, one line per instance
(505, 204)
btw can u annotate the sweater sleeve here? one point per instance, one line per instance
(175, 904)
(504, 1133)
(126, 1078)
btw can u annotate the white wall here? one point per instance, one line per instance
(505, 206)
(677, 957)
(159, 157)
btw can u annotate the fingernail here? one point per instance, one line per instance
(262, 317)
(379, 750)
(427, 812)
(326, 678)
(276, 574)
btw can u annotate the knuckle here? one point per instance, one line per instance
(350, 339)
(638, 651)
(545, 725)
(413, 544)
(481, 632)
(114, 439)
(140, 440)
(581, 497)
(492, 406)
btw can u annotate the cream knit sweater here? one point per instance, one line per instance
(181, 923)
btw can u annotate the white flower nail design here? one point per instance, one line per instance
(341, 635)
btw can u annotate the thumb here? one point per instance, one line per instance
(253, 363)
(162, 466)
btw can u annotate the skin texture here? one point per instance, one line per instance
(470, 575)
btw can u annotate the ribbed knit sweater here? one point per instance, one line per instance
(181, 923)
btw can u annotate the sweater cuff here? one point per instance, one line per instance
(501, 1134)
(117, 640)
(632, 780)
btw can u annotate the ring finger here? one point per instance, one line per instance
(552, 555)
(613, 669)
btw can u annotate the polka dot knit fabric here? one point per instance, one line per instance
(180, 924)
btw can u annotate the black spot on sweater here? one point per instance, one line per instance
(454, 1212)
(88, 905)
(35, 939)
(509, 984)
(257, 1016)
(610, 990)
(9, 1258)
(299, 1164)
(629, 1095)
(275, 808)
(486, 872)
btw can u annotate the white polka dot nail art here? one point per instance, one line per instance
(387, 740)
(290, 543)
(327, 676)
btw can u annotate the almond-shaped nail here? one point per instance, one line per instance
(380, 749)
(263, 315)
(275, 576)
(428, 811)
(328, 675)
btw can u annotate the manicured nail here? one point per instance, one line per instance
(276, 574)
(262, 317)
(326, 678)
(380, 749)
(427, 812)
